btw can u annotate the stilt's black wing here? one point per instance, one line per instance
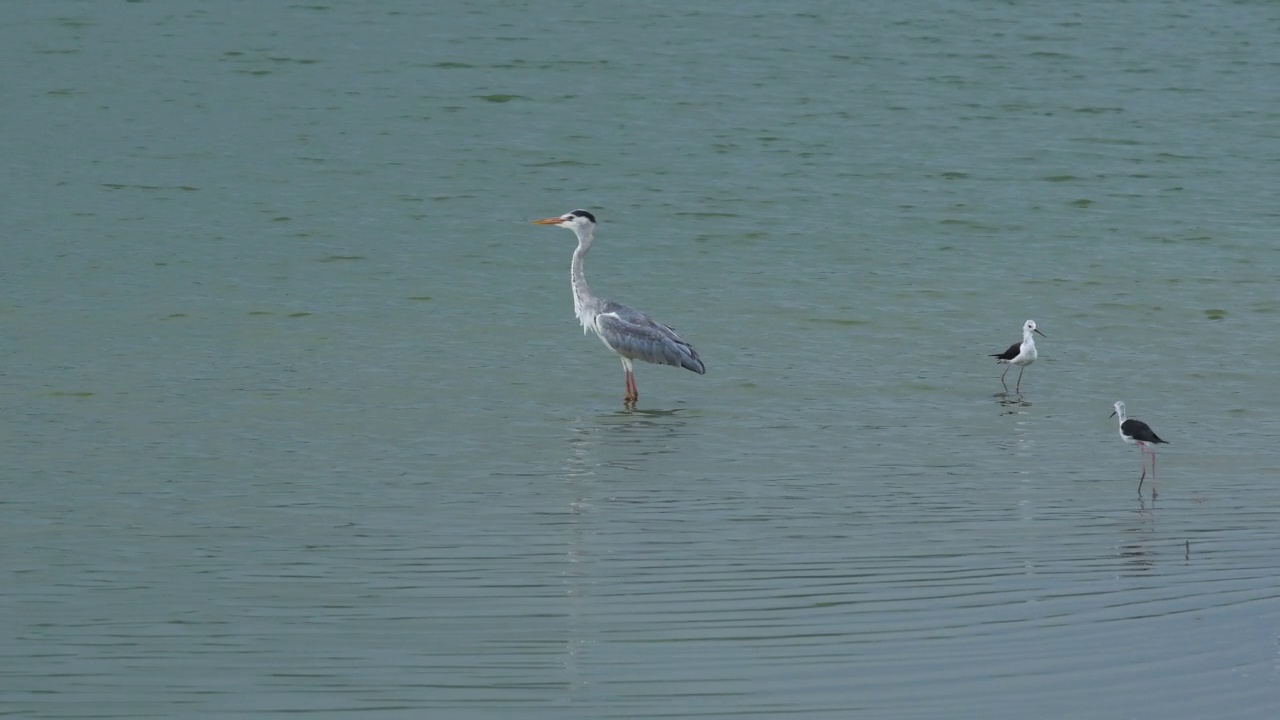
(1141, 432)
(1009, 354)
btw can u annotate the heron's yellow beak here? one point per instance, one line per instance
(549, 221)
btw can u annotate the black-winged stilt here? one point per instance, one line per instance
(1139, 433)
(1021, 354)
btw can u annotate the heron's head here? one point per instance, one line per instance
(1119, 406)
(579, 221)
(1030, 327)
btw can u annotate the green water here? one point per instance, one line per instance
(300, 420)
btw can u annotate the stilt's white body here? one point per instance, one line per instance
(1019, 355)
(1136, 432)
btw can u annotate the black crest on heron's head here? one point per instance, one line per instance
(583, 214)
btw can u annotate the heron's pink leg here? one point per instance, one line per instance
(632, 393)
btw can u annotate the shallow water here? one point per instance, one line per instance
(300, 419)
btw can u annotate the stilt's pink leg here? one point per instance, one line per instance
(1153, 474)
(1006, 372)
(1144, 468)
(1018, 387)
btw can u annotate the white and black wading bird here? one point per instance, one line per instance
(1136, 432)
(1020, 354)
(629, 333)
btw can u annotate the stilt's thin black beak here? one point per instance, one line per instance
(1113, 414)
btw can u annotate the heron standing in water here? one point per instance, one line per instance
(629, 333)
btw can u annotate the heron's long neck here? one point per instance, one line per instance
(583, 300)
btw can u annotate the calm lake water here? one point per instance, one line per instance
(299, 420)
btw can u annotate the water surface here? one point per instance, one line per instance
(300, 420)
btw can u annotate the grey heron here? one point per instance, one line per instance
(1020, 354)
(629, 333)
(1136, 432)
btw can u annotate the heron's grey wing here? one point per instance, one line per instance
(632, 334)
